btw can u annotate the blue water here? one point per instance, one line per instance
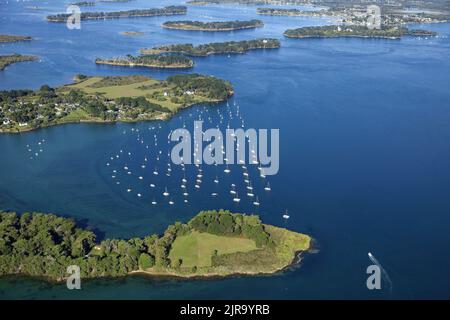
(364, 152)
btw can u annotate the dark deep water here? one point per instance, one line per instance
(364, 152)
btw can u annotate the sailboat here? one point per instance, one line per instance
(216, 180)
(236, 198)
(267, 188)
(256, 202)
(285, 215)
(165, 193)
(171, 202)
(227, 170)
(154, 202)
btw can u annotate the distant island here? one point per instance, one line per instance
(6, 60)
(132, 33)
(149, 61)
(246, 2)
(354, 31)
(83, 4)
(167, 11)
(213, 26)
(231, 47)
(107, 100)
(290, 12)
(12, 38)
(213, 243)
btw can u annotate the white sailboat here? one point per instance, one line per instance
(165, 193)
(256, 202)
(267, 188)
(285, 215)
(236, 198)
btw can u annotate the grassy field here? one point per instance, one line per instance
(140, 86)
(196, 249)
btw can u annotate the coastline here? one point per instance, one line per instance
(161, 117)
(144, 65)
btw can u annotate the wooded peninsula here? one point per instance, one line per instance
(6, 60)
(167, 11)
(11, 38)
(213, 26)
(149, 61)
(107, 100)
(230, 47)
(355, 31)
(213, 243)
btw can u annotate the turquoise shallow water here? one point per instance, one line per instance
(364, 151)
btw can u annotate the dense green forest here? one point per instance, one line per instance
(354, 31)
(213, 26)
(217, 47)
(209, 87)
(167, 11)
(152, 61)
(38, 244)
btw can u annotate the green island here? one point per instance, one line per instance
(12, 38)
(354, 31)
(149, 61)
(230, 47)
(132, 33)
(6, 60)
(107, 100)
(167, 11)
(213, 26)
(213, 243)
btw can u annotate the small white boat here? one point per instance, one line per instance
(227, 170)
(214, 194)
(185, 194)
(128, 190)
(141, 178)
(139, 195)
(285, 215)
(166, 193)
(197, 186)
(267, 188)
(152, 185)
(154, 202)
(251, 195)
(171, 202)
(256, 202)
